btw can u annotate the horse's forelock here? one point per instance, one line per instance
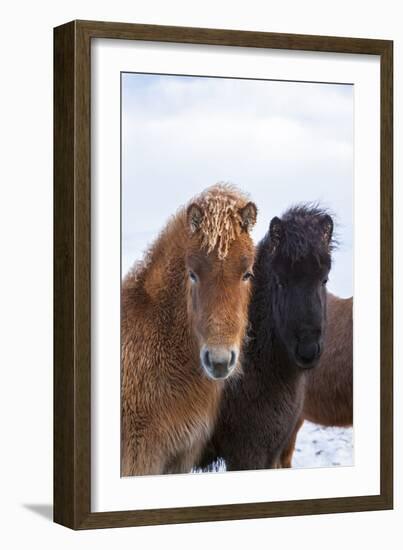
(221, 222)
(302, 234)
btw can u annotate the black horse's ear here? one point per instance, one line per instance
(194, 217)
(248, 216)
(275, 233)
(327, 229)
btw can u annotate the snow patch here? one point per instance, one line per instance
(318, 446)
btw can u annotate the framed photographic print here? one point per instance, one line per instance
(222, 274)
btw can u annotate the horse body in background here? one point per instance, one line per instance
(328, 398)
(287, 316)
(184, 316)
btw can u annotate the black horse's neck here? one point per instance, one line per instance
(265, 350)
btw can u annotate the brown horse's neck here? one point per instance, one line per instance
(162, 282)
(165, 265)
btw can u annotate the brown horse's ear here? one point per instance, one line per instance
(275, 233)
(194, 217)
(248, 216)
(327, 229)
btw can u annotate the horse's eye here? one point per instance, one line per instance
(247, 275)
(193, 277)
(324, 282)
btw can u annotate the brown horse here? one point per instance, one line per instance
(329, 388)
(184, 317)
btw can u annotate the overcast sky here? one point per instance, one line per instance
(282, 142)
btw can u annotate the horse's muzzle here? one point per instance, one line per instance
(219, 362)
(308, 354)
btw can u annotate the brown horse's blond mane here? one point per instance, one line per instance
(221, 223)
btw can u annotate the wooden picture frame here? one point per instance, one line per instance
(72, 270)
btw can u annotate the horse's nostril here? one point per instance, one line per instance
(206, 358)
(232, 359)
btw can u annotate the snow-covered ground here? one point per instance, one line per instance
(318, 446)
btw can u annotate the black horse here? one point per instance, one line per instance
(287, 316)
